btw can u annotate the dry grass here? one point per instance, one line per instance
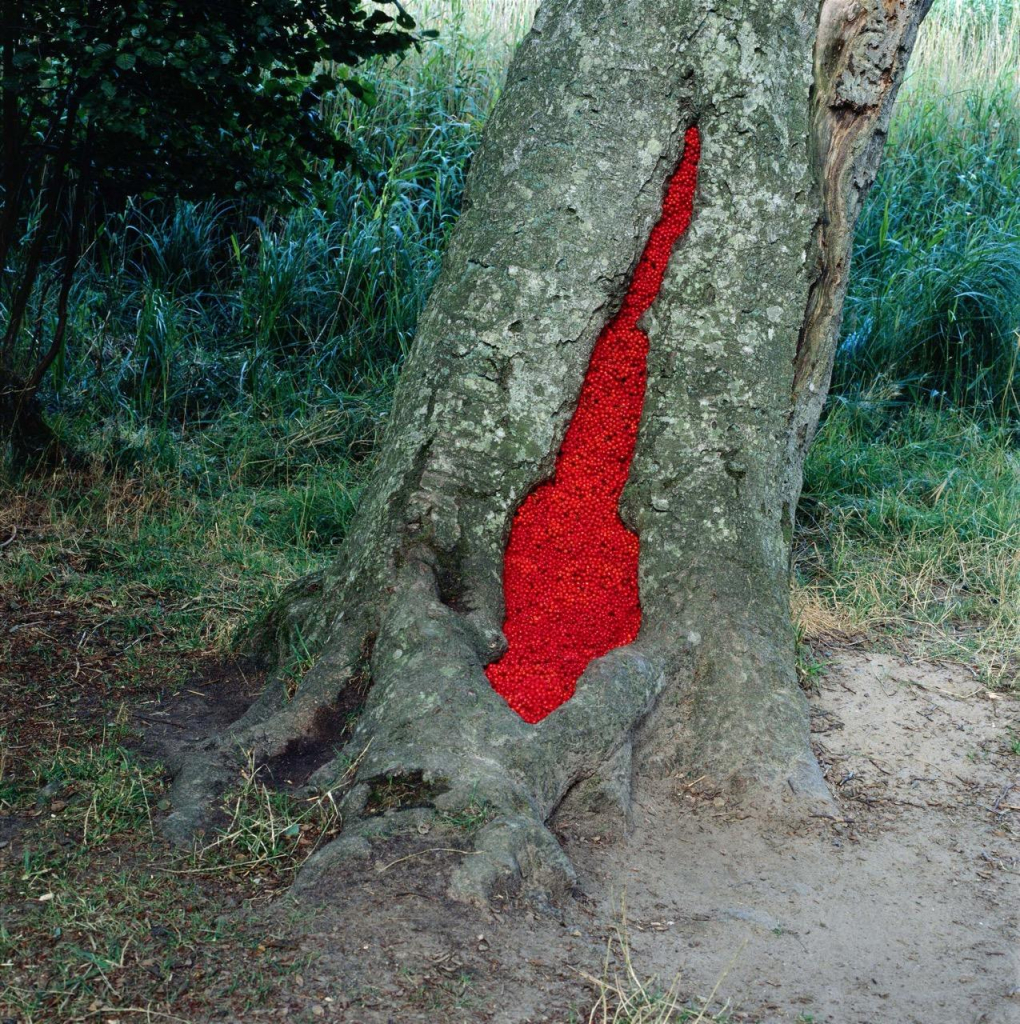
(624, 996)
(961, 47)
(499, 24)
(818, 620)
(270, 832)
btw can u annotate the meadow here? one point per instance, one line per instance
(229, 371)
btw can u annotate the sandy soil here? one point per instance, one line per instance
(908, 909)
(904, 909)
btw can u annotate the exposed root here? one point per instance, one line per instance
(433, 740)
(747, 732)
(513, 851)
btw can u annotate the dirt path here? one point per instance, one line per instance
(907, 910)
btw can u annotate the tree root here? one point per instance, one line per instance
(434, 739)
(745, 731)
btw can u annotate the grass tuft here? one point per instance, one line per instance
(623, 996)
(910, 530)
(270, 832)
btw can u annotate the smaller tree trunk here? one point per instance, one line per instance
(22, 421)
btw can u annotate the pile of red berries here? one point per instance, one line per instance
(570, 575)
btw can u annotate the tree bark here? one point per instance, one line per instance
(792, 101)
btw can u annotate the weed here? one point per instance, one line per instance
(469, 818)
(299, 661)
(401, 792)
(270, 833)
(810, 668)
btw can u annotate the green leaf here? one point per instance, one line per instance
(361, 89)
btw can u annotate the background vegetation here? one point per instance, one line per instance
(105, 102)
(228, 370)
(229, 365)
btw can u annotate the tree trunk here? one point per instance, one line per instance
(23, 425)
(791, 103)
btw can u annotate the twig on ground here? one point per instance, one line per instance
(421, 853)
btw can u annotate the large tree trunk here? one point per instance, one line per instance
(791, 101)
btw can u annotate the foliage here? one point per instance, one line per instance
(252, 321)
(106, 101)
(260, 325)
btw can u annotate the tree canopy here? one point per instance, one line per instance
(183, 97)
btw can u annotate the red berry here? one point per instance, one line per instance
(570, 569)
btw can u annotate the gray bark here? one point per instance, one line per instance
(792, 101)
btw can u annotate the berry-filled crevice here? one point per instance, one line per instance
(570, 572)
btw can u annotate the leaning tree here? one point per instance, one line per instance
(572, 561)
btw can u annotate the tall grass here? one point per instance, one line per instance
(243, 324)
(910, 529)
(934, 303)
(495, 26)
(230, 367)
(966, 46)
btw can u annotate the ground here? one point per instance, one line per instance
(905, 908)
(123, 594)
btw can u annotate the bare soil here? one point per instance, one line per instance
(904, 909)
